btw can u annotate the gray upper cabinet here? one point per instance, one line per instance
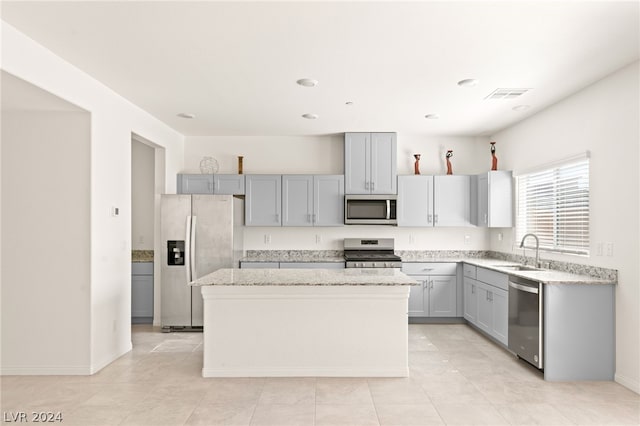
(210, 184)
(494, 192)
(297, 200)
(370, 163)
(228, 184)
(452, 200)
(434, 200)
(195, 184)
(328, 200)
(263, 202)
(312, 200)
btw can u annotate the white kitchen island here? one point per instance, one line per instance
(312, 322)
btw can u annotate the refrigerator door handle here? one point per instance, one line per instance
(187, 249)
(192, 250)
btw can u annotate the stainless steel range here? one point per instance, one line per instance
(370, 253)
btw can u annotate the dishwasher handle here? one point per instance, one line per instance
(526, 288)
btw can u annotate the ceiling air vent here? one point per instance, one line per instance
(506, 94)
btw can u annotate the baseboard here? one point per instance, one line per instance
(45, 370)
(305, 372)
(99, 365)
(628, 383)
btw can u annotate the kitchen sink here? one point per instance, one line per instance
(518, 267)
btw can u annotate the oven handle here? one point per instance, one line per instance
(526, 288)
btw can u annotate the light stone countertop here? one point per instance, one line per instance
(306, 277)
(309, 256)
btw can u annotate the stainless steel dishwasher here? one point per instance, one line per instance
(525, 320)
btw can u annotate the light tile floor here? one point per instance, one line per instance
(457, 378)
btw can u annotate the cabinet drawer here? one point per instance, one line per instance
(142, 268)
(469, 270)
(259, 265)
(429, 268)
(311, 265)
(494, 278)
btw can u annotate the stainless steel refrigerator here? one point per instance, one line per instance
(200, 234)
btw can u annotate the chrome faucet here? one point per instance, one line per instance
(537, 247)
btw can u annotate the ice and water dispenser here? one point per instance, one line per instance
(175, 252)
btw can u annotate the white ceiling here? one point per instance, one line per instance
(235, 64)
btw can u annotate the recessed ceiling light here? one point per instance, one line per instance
(432, 116)
(521, 107)
(468, 82)
(307, 82)
(310, 116)
(186, 115)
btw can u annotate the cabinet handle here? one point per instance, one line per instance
(277, 217)
(435, 218)
(431, 285)
(373, 186)
(429, 218)
(473, 289)
(313, 216)
(366, 185)
(309, 217)
(485, 219)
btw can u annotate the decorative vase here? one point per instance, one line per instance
(416, 165)
(494, 159)
(240, 160)
(449, 155)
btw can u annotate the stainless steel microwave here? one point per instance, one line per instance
(370, 210)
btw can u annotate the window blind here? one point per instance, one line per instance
(554, 205)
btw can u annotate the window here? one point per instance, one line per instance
(554, 204)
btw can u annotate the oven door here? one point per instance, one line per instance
(370, 210)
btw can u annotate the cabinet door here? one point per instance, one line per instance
(195, 184)
(485, 308)
(357, 163)
(418, 297)
(328, 201)
(442, 296)
(383, 163)
(500, 199)
(470, 300)
(228, 184)
(452, 200)
(142, 296)
(483, 201)
(415, 207)
(297, 200)
(263, 201)
(500, 315)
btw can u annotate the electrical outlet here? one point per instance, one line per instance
(141, 239)
(467, 239)
(267, 238)
(609, 249)
(318, 238)
(412, 239)
(599, 249)
(499, 236)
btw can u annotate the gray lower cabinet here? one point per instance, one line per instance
(142, 292)
(436, 294)
(263, 201)
(312, 200)
(486, 301)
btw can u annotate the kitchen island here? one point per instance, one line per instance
(312, 322)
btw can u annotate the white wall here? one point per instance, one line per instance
(113, 119)
(142, 195)
(602, 118)
(46, 285)
(325, 155)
